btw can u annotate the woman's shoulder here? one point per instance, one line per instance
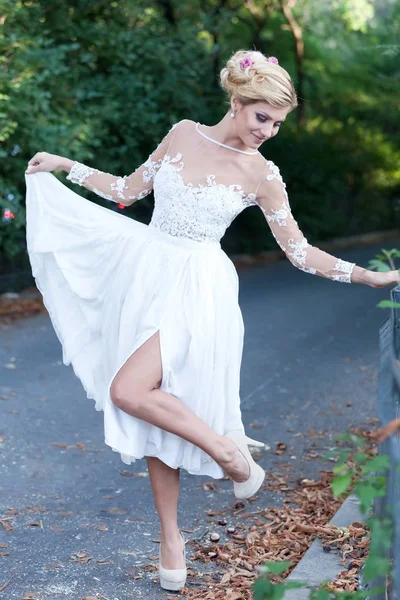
(184, 124)
(272, 171)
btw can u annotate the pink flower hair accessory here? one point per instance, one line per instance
(246, 62)
(273, 59)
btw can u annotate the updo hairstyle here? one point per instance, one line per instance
(262, 81)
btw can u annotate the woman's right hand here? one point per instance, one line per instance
(43, 161)
(380, 279)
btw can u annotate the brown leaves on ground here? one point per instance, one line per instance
(209, 486)
(279, 534)
(281, 448)
(80, 557)
(7, 526)
(14, 308)
(77, 445)
(353, 545)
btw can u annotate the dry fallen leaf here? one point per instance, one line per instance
(80, 557)
(209, 486)
(11, 511)
(104, 561)
(117, 511)
(280, 448)
(58, 444)
(3, 587)
(6, 525)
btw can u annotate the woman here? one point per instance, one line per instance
(148, 315)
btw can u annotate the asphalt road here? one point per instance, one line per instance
(310, 365)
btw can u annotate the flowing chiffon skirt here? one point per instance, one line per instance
(109, 283)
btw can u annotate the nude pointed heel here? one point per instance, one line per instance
(248, 488)
(173, 580)
(254, 443)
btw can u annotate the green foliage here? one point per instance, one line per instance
(388, 304)
(353, 464)
(384, 261)
(103, 82)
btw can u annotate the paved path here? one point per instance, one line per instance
(310, 363)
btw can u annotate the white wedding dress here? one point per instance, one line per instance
(109, 282)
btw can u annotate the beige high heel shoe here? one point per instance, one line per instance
(254, 443)
(247, 488)
(173, 579)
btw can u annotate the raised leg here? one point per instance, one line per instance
(135, 390)
(165, 486)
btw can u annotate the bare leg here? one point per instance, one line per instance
(135, 391)
(165, 485)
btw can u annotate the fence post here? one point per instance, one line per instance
(388, 410)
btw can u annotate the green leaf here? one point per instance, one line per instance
(341, 469)
(388, 304)
(340, 484)
(375, 566)
(378, 265)
(265, 590)
(320, 595)
(377, 464)
(295, 585)
(361, 458)
(278, 567)
(366, 493)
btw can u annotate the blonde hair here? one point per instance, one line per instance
(262, 81)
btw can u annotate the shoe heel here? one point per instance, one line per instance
(248, 488)
(173, 580)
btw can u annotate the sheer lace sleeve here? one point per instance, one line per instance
(128, 188)
(273, 201)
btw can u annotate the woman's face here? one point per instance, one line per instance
(256, 123)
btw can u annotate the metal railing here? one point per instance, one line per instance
(388, 410)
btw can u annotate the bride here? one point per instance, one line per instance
(148, 315)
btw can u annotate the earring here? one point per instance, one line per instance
(233, 114)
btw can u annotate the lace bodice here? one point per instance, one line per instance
(201, 212)
(200, 186)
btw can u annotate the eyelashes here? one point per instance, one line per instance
(264, 119)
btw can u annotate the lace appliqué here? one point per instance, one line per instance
(250, 198)
(80, 172)
(346, 269)
(299, 254)
(201, 212)
(152, 167)
(275, 173)
(280, 216)
(119, 186)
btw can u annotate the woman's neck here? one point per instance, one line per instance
(225, 133)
